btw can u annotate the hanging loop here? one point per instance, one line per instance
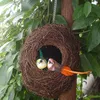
(54, 11)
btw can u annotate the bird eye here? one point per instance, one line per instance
(49, 61)
(41, 61)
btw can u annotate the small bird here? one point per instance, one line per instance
(41, 63)
(65, 70)
(52, 65)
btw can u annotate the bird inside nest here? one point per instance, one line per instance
(53, 65)
(41, 63)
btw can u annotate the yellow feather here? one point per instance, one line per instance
(41, 63)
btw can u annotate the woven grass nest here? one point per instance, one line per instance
(51, 37)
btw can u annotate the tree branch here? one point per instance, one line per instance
(67, 11)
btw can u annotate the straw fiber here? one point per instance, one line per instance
(49, 84)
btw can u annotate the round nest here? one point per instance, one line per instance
(49, 84)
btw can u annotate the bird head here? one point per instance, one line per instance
(41, 63)
(53, 65)
(50, 64)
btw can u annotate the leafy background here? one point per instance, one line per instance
(19, 17)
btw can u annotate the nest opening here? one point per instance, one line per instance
(50, 51)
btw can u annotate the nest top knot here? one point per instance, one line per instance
(47, 83)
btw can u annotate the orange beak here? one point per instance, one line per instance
(68, 72)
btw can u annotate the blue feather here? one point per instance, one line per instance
(40, 53)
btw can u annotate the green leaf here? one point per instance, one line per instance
(6, 69)
(3, 90)
(4, 2)
(94, 96)
(19, 80)
(85, 64)
(3, 47)
(83, 22)
(27, 23)
(7, 46)
(5, 98)
(18, 45)
(78, 12)
(87, 8)
(10, 69)
(95, 36)
(94, 64)
(17, 98)
(28, 4)
(19, 36)
(80, 23)
(89, 62)
(75, 3)
(60, 20)
(17, 18)
(9, 59)
(4, 79)
(4, 76)
(96, 10)
(35, 23)
(10, 93)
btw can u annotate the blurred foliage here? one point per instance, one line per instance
(86, 20)
(87, 25)
(17, 20)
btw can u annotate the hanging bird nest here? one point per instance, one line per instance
(49, 84)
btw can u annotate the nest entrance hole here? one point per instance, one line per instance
(50, 51)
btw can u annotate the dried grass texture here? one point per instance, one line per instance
(49, 84)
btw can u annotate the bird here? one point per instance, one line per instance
(53, 65)
(41, 63)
